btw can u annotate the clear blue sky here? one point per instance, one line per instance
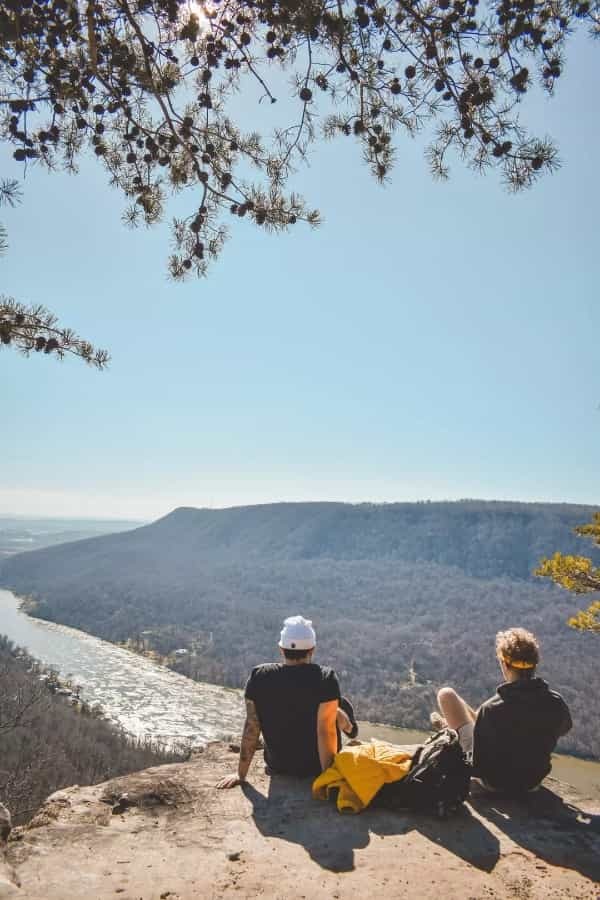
(428, 341)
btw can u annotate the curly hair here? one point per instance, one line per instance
(518, 649)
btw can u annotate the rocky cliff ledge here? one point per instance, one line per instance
(167, 834)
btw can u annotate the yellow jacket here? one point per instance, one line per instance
(359, 771)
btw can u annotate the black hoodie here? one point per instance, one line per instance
(516, 731)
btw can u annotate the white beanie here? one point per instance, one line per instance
(297, 634)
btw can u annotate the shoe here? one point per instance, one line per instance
(438, 722)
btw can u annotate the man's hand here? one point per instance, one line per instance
(343, 721)
(229, 781)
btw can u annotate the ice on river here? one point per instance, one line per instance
(146, 699)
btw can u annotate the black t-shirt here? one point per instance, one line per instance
(287, 700)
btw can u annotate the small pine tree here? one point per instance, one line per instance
(579, 575)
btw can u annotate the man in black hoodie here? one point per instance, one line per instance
(511, 737)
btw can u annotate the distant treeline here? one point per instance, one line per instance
(46, 743)
(20, 534)
(418, 605)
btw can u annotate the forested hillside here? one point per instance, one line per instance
(47, 744)
(405, 597)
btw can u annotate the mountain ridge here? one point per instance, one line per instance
(449, 533)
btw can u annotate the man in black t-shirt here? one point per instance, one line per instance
(294, 704)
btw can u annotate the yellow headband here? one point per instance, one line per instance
(518, 663)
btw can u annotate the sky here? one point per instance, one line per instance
(429, 341)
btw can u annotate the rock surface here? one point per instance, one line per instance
(168, 834)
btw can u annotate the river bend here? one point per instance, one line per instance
(144, 698)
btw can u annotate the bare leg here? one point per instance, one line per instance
(455, 710)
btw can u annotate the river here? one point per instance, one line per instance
(146, 699)
(149, 700)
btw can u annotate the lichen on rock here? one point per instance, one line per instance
(144, 790)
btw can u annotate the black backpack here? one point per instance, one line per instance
(438, 780)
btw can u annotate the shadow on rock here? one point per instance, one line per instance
(289, 813)
(464, 835)
(542, 822)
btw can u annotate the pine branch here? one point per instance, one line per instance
(35, 329)
(149, 87)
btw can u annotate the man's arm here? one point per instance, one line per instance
(248, 748)
(326, 733)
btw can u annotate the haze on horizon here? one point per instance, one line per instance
(150, 508)
(429, 341)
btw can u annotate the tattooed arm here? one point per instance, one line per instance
(250, 738)
(248, 747)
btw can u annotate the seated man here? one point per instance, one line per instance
(512, 735)
(295, 704)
